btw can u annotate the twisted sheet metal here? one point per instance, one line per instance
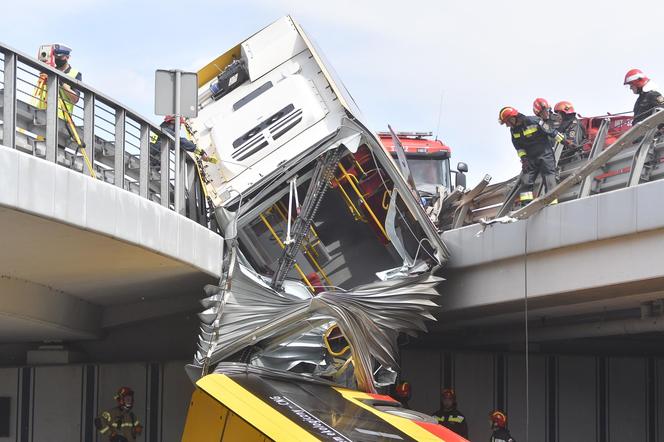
(371, 317)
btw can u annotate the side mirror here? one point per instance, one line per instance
(460, 178)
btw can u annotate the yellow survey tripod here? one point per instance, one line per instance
(40, 93)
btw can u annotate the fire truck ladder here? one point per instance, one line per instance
(323, 173)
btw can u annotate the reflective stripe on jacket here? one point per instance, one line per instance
(531, 136)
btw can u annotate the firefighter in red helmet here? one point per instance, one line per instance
(500, 433)
(543, 110)
(533, 141)
(449, 416)
(570, 125)
(649, 95)
(120, 424)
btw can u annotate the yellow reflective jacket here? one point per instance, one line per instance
(41, 93)
(117, 421)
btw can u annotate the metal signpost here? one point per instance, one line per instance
(176, 93)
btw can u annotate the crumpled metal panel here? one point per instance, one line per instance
(371, 317)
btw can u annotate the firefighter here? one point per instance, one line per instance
(403, 392)
(532, 139)
(499, 427)
(120, 424)
(542, 109)
(649, 95)
(570, 126)
(186, 142)
(449, 416)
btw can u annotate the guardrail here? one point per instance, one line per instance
(118, 140)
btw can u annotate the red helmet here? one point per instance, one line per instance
(539, 105)
(498, 418)
(448, 393)
(171, 118)
(564, 107)
(122, 394)
(403, 390)
(506, 113)
(635, 77)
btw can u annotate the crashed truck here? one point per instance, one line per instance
(329, 256)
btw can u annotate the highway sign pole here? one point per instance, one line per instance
(176, 94)
(179, 193)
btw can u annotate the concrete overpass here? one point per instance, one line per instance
(81, 255)
(585, 268)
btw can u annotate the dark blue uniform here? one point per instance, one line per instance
(533, 140)
(501, 435)
(646, 103)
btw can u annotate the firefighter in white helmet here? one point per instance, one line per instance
(649, 95)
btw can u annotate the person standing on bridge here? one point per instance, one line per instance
(449, 416)
(649, 95)
(532, 139)
(500, 433)
(59, 59)
(120, 424)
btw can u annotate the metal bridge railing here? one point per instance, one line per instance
(118, 141)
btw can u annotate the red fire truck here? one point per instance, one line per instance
(428, 160)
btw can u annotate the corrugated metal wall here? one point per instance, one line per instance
(571, 398)
(59, 403)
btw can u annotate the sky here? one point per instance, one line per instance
(397, 59)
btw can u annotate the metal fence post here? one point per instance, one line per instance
(190, 169)
(9, 104)
(118, 159)
(164, 171)
(89, 126)
(53, 85)
(639, 159)
(144, 161)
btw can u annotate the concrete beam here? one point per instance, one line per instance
(600, 217)
(622, 266)
(128, 313)
(598, 329)
(47, 190)
(35, 312)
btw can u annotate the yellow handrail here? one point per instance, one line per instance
(357, 191)
(353, 210)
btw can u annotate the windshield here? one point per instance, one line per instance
(428, 171)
